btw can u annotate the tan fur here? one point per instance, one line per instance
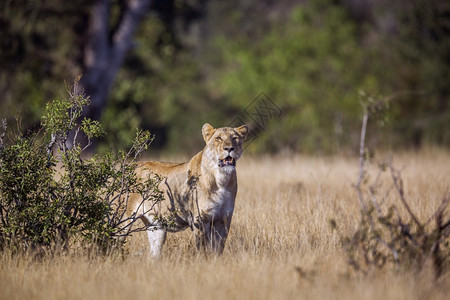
(199, 194)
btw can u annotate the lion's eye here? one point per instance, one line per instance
(218, 138)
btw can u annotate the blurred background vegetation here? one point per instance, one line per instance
(197, 61)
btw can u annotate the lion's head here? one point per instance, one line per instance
(224, 145)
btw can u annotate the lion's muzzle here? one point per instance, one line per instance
(227, 161)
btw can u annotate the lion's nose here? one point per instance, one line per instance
(229, 149)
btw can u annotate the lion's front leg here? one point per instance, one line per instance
(212, 235)
(156, 235)
(156, 239)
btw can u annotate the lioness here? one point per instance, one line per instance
(199, 194)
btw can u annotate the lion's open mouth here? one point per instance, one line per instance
(227, 161)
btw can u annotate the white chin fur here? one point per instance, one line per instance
(227, 168)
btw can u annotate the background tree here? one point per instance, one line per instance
(44, 42)
(106, 46)
(210, 59)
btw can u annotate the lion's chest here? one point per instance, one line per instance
(219, 204)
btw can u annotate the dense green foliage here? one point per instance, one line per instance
(38, 51)
(312, 66)
(53, 202)
(314, 59)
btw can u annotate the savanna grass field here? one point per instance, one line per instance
(281, 244)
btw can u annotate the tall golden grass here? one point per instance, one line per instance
(281, 244)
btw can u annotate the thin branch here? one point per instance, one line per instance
(2, 135)
(398, 183)
(372, 189)
(75, 136)
(445, 229)
(50, 145)
(440, 210)
(362, 161)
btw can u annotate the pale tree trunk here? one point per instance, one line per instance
(106, 48)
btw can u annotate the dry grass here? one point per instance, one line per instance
(281, 245)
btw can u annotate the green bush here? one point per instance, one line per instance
(51, 198)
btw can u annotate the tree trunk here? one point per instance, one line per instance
(106, 48)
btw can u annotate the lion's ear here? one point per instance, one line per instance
(242, 131)
(207, 132)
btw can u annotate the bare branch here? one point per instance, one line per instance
(362, 161)
(407, 242)
(372, 189)
(440, 210)
(2, 135)
(398, 183)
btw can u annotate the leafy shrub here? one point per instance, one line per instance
(51, 198)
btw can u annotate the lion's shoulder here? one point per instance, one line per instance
(194, 165)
